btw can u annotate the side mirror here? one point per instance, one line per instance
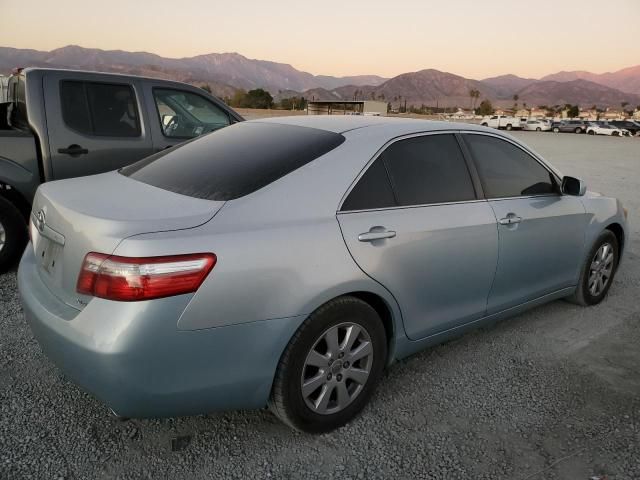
(573, 186)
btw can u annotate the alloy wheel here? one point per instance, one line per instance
(601, 269)
(337, 368)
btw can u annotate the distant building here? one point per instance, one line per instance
(612, 114)
(636, 114)
(588, 114)
(346, 107)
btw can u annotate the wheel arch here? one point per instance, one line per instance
(618, 231)
(11, 194)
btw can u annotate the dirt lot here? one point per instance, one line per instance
(550, 394)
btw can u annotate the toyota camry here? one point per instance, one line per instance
(286, 262)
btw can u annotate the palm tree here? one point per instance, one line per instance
(515, 99)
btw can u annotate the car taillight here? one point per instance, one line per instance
(128, 279)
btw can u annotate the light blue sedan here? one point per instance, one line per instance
(286, 262)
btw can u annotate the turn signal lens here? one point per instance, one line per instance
(129, 279)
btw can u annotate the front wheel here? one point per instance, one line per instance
(538, 129)
(13, 234)
(509, 126)
(485, 124)
(598, 270)
(556, 130)
(591, 132)
(331, 366)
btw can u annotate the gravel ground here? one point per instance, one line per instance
(550, 394)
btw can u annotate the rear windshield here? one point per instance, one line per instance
(233, 161)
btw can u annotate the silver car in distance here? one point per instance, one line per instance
(286, 262)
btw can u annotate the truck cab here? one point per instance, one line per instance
(63, 123)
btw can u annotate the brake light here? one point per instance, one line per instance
(129, 279)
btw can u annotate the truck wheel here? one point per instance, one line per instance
(556, 130)
(509, 127)
(13, 234)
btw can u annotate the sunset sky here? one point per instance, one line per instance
(473, 38)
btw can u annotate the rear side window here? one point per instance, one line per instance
(233, 161)
(373, 190)
(508, 171)
(428, 169)
(100, 109)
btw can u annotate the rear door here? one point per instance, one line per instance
(541, 231)
(95, 124)
(413, 223)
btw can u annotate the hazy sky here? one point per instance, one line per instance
(473, 38)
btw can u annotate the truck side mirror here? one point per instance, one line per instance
(573, 186)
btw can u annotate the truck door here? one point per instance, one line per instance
(95, 123)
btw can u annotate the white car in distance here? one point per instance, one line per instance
(536, 125)
(604, 129)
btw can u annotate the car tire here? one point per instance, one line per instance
(614, 134)
(591, 132)
(485, 124)
(556, 130)
(13, 234)
(317, 409)
(509, 126)
(578, 130)
(538, 129)
(593, 269)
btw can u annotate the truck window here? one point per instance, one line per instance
(100, 109)
(185, 114)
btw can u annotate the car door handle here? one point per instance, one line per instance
(370, 236)
(73, 150)
(510, 219)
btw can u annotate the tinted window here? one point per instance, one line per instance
(234, 161)
(100, 109)
(186, 115)
(506, 170)
(428, 169)
(373, 190)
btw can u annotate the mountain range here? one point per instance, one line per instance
(227, 72)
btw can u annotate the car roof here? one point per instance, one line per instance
(345, 123)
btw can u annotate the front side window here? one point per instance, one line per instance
(428, 169)
(100, 109)
(506, 170)
(186, 115)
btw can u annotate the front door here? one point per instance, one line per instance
(413, 223)
(93, 126)
(541, 231)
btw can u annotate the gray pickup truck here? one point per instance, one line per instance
(57, 124)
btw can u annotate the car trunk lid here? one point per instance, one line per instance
(94, 214)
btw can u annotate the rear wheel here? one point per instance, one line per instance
(598, 270)
(331, 366)
(485, 124)
(13, 234)
(614, 134)
(556, 130)
(538, 129)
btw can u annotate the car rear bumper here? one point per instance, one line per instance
(132, 357)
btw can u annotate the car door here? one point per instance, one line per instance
(94, 123)
(178, 114)
(413, 223)
(541, 231)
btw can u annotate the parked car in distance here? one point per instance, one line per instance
(537, 125)
(284, 262)
(64, 123)
(502, 122)
(629, 125)
(566, 126)
(604, 129)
